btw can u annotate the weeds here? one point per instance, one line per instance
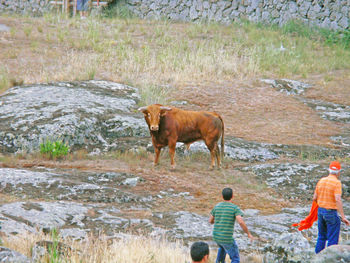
(54, 150)
(329, 37)
(4, 80)
(118, 9)
(54, 255)
(102, 249)
(131, 156)
(151, 94)
(27, 31)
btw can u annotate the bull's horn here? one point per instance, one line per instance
(164, 108)
(142, 108)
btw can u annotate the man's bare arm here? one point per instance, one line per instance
(314, 197)
(244, 226)
(340, 209)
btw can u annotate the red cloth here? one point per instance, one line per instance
(310, 219)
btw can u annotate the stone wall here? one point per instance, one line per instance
(34, 7)
(332, 14)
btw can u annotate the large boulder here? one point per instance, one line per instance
(333, 254)
(95, 115)
(289, 248)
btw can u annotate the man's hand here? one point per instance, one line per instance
(345, 221)
(251, 237)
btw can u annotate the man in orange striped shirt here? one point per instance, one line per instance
(328, 197)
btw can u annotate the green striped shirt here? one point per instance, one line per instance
(224, 214)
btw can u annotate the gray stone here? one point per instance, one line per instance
(326, 23)
(193, 13)
(4, 28)
(10, 256)
(344, 22)
(292, 8)
(290, 87)
(255, 4)
(334, 25)
(289, 247)
(265, 16)
(335, 253)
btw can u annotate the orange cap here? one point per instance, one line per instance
(335, 166)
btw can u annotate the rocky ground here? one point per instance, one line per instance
(113, 187)
(280, 135)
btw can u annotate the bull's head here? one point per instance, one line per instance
(152, 115)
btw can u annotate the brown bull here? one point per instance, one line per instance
(169, 125)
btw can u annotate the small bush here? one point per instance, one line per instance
(118, 9)
(328, 36)
(54, 150)
(341, 38)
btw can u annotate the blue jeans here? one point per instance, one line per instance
(328, 228)
(82, 5)
(230, 249)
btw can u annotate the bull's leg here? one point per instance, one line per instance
(212, 155)
(172, 146)
(212, 146)
(156, 159)
(217, 153)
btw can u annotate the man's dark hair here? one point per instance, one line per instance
(227, 194)
(199, 250)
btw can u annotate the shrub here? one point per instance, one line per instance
(54, 150)
(117, 8)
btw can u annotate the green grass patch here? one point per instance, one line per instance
(54, 150)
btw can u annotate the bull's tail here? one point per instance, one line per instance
(222, 139)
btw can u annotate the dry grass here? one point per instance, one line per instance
(126, 249)
(130, 249)
(156, 53)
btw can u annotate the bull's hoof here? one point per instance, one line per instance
(211, 167)
(172, 167)
(155, 164)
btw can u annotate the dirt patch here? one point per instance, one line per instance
(202, 185)
(256, 112)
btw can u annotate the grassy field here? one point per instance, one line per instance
(158, 56)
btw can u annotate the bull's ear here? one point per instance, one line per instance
(164, 110)
(143, 110)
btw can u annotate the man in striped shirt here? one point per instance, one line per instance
(328, 197)
(223, 216)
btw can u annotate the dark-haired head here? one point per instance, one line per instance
(227, 194)
(199, 250)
